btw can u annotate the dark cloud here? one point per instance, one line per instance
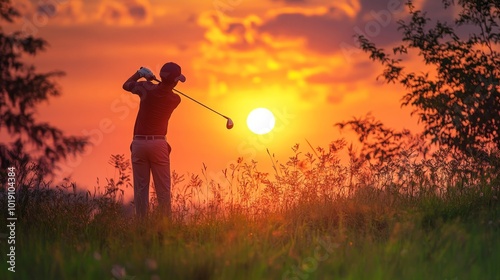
(291, 1)
(361, 70)
(241, 35)
(348, 80)
(321, 32)
(394, 7)
(128, 13)
(137, 11)
(327, 34)
(113, 13)
(236, 28)
(48, 9)
(237, 31)
(435, 10)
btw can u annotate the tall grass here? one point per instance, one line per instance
(314, 217)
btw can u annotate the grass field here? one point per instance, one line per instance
(314, 218)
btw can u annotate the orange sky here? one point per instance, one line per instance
(296, 58)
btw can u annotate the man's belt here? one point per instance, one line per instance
(149, 137)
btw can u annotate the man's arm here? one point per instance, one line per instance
(130, 83)
(133, 86)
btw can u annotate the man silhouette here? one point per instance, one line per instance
(149, 149)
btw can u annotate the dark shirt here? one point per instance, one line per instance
(155, 109)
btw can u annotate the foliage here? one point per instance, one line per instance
(320, 177)
(381, 147)
(382, 143)
(314, 218)
(114, 187)
(457, 97)
(26, 143)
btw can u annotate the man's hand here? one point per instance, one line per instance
(146, 73)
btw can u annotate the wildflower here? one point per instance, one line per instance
(97, 256)
(118, 271)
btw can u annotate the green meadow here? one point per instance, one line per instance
(313, 217)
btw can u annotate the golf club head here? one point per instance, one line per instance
(229, 123)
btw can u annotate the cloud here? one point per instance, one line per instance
(35, 16)
(320, 32)
(329, 29)
(291, 1)
(48, 8)
(310, 47)
(337, 9)
(125, 13)
(67, 13)
(289, 30)
(360, 70)
(138, 12)
(239, 49)
(228, 33)
(75, 12)
(334, 28)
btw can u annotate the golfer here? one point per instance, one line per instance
(149, 148)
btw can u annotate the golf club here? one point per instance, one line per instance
(229, 123)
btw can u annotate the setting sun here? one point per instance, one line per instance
(261, 121)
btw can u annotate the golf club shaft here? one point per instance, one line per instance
(197, 102)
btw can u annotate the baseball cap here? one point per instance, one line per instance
(172, 71)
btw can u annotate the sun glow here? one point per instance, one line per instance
(261, 121)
